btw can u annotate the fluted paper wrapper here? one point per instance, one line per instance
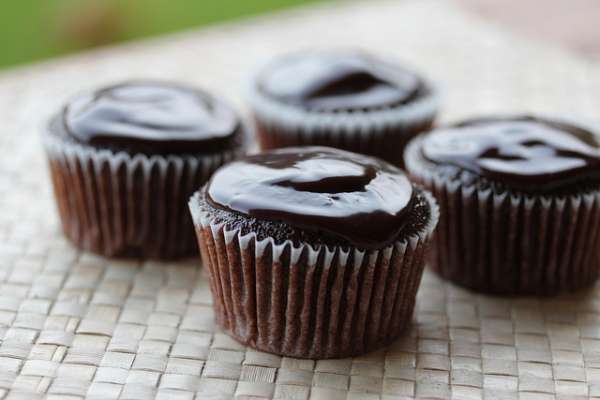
(382, 133)
(115, 204)
(511, 243)
(310, 302)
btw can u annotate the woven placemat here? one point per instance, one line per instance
(74, 325)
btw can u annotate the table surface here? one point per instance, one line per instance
(74, 325)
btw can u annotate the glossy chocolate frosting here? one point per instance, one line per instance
(523, 152)
(358, 198)
(151, 117)
(338, 81)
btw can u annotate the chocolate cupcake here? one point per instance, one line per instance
(348, 100)
(313, 252)
(125, 159)
(519, 202)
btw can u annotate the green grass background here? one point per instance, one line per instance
(35, 29)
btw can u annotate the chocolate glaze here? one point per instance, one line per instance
(358, 198)
(152, 118)
(523, 152)
(331, 81)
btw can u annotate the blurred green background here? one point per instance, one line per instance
(36, 29)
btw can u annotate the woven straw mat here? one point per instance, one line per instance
(75, 325)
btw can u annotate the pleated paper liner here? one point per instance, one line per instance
(310, 302)
(511, 243)
(115, 204)
(382, 133)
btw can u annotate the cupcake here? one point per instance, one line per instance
(125, 159)
(348, 100)
(313, 252)
(519, 201)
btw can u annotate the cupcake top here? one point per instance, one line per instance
(526, 153)
(150, 117)
(338, 81)
(360, 200)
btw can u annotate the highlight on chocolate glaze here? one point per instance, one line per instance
(149, 114)
(360, 198)
(338, 80)
(524, 152)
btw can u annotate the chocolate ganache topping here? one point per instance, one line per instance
(338, 81)
(358, 198)
(151, 117)
(523, 152)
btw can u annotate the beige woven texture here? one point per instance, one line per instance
(74, 325)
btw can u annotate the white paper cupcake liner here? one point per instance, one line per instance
(309, 301)
(510, 243)
(382, 133)
(116, 204)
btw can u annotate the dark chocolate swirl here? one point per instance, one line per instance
(522, 152)
(338, 81)
(358, 198)
(152, 118)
